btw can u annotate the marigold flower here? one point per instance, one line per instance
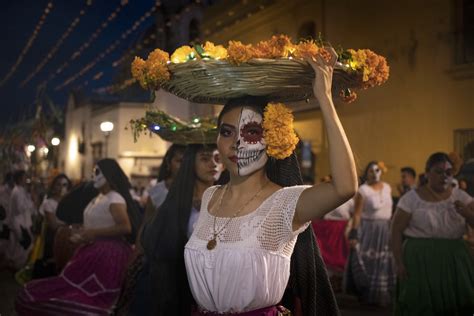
(382, 166)
(276, 47)
(373, 67)
(215, 52)
(239, 53)
(279, 133)
(306, 49)
(156, 69)
(183, 54)
(138, 71)
(348, 95)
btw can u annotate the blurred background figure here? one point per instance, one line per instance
(408, 180)
(22, 210)
(369, 272)
(330, 234)
(5, 215)
(156, 281)
(91, 281)
(168, 171)
(435, 270)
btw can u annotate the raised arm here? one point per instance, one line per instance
(321, 199)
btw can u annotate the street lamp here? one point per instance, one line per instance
(106, 127)
(55, 141)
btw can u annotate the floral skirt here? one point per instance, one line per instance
(89, 284)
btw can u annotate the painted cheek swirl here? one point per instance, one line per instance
(252, 132)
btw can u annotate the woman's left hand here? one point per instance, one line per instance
(83, 236)
(323, 74)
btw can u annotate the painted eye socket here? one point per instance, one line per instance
(96, 171)
(377, 170)
(252, 132)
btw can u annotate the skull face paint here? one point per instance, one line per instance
(377, 172)
(98, 178)
(250, 144)
(447, 171)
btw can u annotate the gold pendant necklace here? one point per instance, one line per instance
(211, 244)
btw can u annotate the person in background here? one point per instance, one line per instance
(70, 212)
(44, 265)
(91, 281)
(370, 272)
(408, 180)
(161, 285)
(434, 268)
(5, 215)
(22, 209)
(330, 234)
(168, 171)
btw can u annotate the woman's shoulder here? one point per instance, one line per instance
(115, 197)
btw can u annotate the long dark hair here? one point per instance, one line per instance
(308, 278)
(165, 168)
(118, 181)
(164, 238)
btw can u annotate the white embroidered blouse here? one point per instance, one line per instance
(434, 219)
(250, 266)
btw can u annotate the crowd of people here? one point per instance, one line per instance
(249, 240)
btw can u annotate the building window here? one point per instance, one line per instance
(464, 143)
(465, 31)
(97, 152)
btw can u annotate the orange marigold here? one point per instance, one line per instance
(279, 133)
(239, 53)
(139, 71)
(306, 49)
(348, 95)
(155, 69)
(373, 67)
(277, 47)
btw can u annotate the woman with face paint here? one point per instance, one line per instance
(90, 282)
(238, 258)
(369, 272)
(435, 271)
(156, 283)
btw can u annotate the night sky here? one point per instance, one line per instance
(18, 20)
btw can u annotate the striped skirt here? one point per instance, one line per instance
(440, 278)
(89, 284)
(370, 270)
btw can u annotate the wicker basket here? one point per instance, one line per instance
(281, 80)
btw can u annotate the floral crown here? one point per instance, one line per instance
(382, 166)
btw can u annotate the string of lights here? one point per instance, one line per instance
(131, 52)
(77, 53)
(58, 44)
(111, 48)
(29, 43)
